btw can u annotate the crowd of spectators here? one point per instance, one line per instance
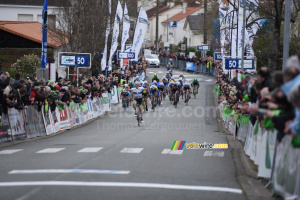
(19, 92)
(271, 98)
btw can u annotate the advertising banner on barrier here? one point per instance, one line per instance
(48, 121)
(34, 123)
(114, 95)
(74, 114)
(96, 103)
(63, 118)
(90, 109)
(4, 127)
(106, 101)
(266, 153)
(17, 124)
(191, 67)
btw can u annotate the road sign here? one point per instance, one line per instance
(203, 48)
(218, 56)
(236, 63)
(75, 59)
(126, 55)
(183, 47)
(173, 24)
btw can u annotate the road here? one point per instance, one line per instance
(113, 158)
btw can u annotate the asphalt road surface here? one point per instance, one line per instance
(113, 158)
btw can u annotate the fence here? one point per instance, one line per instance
(278, 162)
(188, 66)
(29, 123)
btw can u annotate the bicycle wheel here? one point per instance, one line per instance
(187, 98)
(125, 104)
(144, 104)
(175, 100)
(138, 116)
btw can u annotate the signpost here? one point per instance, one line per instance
(77, 60)
(183, 47)
(236, 63)
(203, 48)
(218, 56)
(126, 55)
(173, 24)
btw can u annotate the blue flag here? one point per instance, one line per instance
(45, 26)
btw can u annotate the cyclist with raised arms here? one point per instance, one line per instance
(186, 87)
(161, 89)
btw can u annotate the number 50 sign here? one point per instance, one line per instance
(75, 59)
(231, 63)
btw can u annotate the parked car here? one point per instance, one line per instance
(153, 60)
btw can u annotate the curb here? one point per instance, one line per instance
(4, 145)
(246, 175)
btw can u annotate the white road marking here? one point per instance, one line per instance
(209, 80)
(51, 150)
(10, 151)
(151, 72)
(178, 152)
(68, 171)
(121, 184)
(90, 150)
(169, 151)
(131, 150)
(166, 151)
(214, 153)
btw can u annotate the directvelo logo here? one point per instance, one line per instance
(178, 145)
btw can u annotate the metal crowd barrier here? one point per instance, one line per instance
(278, 162)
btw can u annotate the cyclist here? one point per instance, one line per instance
(180, 80)
(153, 92)
(137, 94)
(181, 75)
(168, 75)
(155, 77)
(186, 86)
(175, 89)
(170, 72)
(125, 95)
(161, 88)
(195, 83)
(131, 85)
(145, 95)
(169, 67)
(145, 85)
(165, 81)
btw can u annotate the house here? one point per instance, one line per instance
(193, 28)
(179, 33)
(29, 10)
(165, 12)
(19, 38)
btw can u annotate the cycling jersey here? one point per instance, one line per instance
(161, 87)
(195, 82)
(187, 86)
(125, 94)
(137, 92)
(145, 93)
(175, 89)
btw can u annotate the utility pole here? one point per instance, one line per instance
(157, 13)
(168, 28)
(286, 37)
(243, 31)
(204, 21)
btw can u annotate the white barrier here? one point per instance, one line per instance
(29, 123)
(260, 145)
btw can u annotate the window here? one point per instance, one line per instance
(25, 17)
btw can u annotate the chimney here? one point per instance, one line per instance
(184, 5)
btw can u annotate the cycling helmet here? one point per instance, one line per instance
(154, 81)
(124, 90)
(178, 83)
(136, 83)
(153, 87)
(145, 82)
(180, 79)
(161, 83)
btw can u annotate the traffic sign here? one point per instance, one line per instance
(183, 47)
(203, 48)
(218, 56)
(236, 63)
(75, 59)
(126, 55)
(173, 24)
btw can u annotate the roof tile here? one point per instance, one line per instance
(180, 16)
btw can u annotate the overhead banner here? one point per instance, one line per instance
(140, 32)
(104, 58)
(116, 30)
(126, 29)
